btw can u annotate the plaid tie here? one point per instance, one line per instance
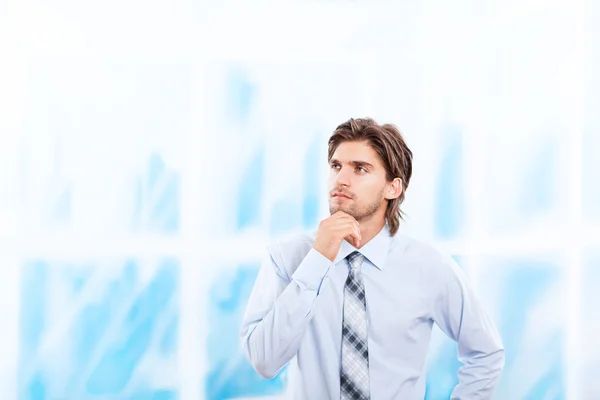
(355, 354)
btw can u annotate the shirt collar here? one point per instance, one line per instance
(376, 250)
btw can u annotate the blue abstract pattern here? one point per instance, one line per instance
(108, 115)
(442, 361)
(157, 198)
(590, 314)
(442, 368)
(91, 330)
(294, 212)
(312, 190)
(530, 186)
(538, 181)
(591, 174)
(240, 95)
(449, 213)
(230, 374)
(251, 191)
(520, 290)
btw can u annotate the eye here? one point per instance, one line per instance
(334, 165)
(361, 169)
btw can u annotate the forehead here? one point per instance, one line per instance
(356, 151)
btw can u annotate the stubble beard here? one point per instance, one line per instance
(359, 213)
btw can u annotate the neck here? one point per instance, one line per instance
(370, 228)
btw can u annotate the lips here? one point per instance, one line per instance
(340, 195)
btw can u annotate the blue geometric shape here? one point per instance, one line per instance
(590, 312)
(156, 169)
(591, 171)
(551, 384)
(538, 181)
(62, 209)
(76, 277)
(230, 375)
(449, 198)
(240, 94)
(310, 211)
(250, 193)
(442, 372)
(118, 364)
(138, 206)
(36, 390)
(165, 214)
(521, 286)
(312, 178)
(285, 216)
(168, 342)
(108, 335)
(157, 196)
(154, 395)
(33, 319)
(443, 365)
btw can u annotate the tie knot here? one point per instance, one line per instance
(355, 260)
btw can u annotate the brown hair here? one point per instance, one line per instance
(395, 155)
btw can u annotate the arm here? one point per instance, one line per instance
(279, 310)
(461, 317)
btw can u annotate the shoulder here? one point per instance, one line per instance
(288, 251)
(435, 268)
(426, 256)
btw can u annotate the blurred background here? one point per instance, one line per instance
(141, 142)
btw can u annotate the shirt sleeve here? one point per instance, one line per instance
(279, 311)
(460, 315)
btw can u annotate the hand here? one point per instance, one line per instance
(333, 230)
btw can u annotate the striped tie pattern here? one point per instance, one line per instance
(355, 354)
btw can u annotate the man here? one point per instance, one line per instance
(351, 307)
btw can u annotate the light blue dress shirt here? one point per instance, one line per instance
(294, 316)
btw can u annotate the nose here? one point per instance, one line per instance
(343, 177)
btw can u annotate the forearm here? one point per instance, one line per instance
(272, 342)
(272, 330)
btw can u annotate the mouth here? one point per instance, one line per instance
(340, 196)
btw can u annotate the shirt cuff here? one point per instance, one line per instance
(312, 270)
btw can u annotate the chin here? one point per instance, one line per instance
(333, 210)
(336, 209)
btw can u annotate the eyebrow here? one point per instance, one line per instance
(355, 163)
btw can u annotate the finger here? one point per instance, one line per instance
(350, 218)
(356, 229)
(352, 239)
(354, 232)
(344, 216)
(350, 235)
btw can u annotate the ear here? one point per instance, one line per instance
(393, 189)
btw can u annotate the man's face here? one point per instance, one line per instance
(357, 181)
